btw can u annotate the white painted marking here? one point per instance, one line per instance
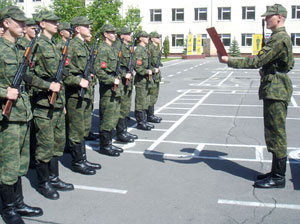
(236, 85)
(293, 101)
(224, 80)
(185, 70)
(259, 153)
(233, 91)
(178, 72)
(156, 129)
(170, 75)
(109, 190)
(295, 154)
(198, 149)
(229, 105)
(176, 108)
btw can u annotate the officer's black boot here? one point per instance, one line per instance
(44, 186)
(263, 176)
(122, 134)
(78, 163)
(55, 181)
(21, 207)
(141, 123)
(106, 144)
(96, 166)
(130, 134)
(9, 213)
(145, 120)
(277, 177)
(151, 117)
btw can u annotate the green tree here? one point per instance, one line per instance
(234, 49)
(133, 19)
(66, 10)
(166, 45)
(4, 3)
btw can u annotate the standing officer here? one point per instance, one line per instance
(49, 120)
(14, 131)
(110, 90)
(275, 60)
(64, 32)
(143, 81)
(154, 48)
(124, 34)
(79, 109)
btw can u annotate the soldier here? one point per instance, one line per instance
(275, 60)
(124, 34)
(79, 109)
(49, 120)
(143, 81)
(110, 90)
(154, 48)
(64, 32)
(14, 132)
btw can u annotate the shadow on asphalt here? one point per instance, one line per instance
(295, 171)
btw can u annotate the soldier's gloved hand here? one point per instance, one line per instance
(156, 70)
(12, 93)
(149, 72)
(223, 59)
(84, 83)
(55, 87)
(117, 81)
(128, 76)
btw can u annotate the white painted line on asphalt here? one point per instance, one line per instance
(167, 121)
(259, 153)
(188, 99)
(178, 72)
(176, 108)
(156, 129)
(170, 75)
(259, 204)
(234, 91)
(198, 149)
(184, 103)
(109, 190)
(236, 85)
(199, 95)
(293, 101)
(230, 105)
(224, 80)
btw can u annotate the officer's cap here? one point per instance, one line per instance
(81, 20)
(154, 35)
(30, 22)
(12, 12)
(142, 34)
(46, 15)
(124, 30)
(275, 10)
(107, 28)
(64, 26)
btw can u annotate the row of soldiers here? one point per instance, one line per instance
(48, 106)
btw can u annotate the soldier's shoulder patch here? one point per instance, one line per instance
(103, 65)
(139, 62)
(67, 62)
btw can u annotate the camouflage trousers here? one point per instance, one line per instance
(79, 119)
(275, 112)
(142, 98)
(109, 112)
(14, 151)
(125, 104)
(154, 91)
(50, 133)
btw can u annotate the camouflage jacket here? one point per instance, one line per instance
(105, 67)
(275, 60)
(45, 65)
(154, 52)
(78, 54)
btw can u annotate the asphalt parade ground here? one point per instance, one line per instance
(197, 166)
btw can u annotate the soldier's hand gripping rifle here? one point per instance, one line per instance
(16, 83)
(89, 64)
(158, 64)
(263, 33)
(130, 64)
(62, 62)
(118, 64)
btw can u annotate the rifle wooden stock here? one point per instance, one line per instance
(217, 41)
(7, 109)
(53, 98)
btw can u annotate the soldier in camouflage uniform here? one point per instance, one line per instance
(143, 81)
(64, 29)
(14, 131)
(275, 60)
(110, 88)
(124, 34)
(49, 120)
(154, 52)
(78, 109)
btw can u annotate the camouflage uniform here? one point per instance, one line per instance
(62, 26)
(275, 60)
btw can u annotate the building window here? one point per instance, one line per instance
(20, 1)
(295, 39)
(224, 13)
(248, 13)
(36, 0)
(225, 39)
(200, 14)
(246, 39)
(177, 14)
(177, 40)
(295, 11)
(155, 15)
(204, 36)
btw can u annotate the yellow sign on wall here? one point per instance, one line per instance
(198, 44)
(257, 40)
(190, 44)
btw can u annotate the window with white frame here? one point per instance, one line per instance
(204, 36)
(224, 13)
(36, 0)
(295, 39)
(177, 40)
(155, 15)
(246, 39)
(225, 39)
(248, 13)
(200, 14)
(295, 11)
(20, 1)
(178, 15)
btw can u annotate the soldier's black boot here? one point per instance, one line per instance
(9, 213)
(96, 166)
(44, 186)
(21, 207)
(122, 134)
(145, 120)
(151, 117)
(55, 181)
(106, 144)
(277, 177)
(78, 163)
(263, 176)
(141, 121)
(128, 133)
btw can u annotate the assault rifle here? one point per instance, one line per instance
(16, 83)
(118, 64)
(89, 64)
(130, 64)
(158, 62)
(62, 62)
(263, 33)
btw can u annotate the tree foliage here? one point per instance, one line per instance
(133, 19)
(234, 49)
(4, 3)
(66, 10)
(166, 45)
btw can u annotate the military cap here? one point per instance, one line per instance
(154, 35)
(46, 15)
(81, 20)
(107, 28)
(275, 10)
(64, 26)
(124, 30)
(142, 34)
(30, 22)
(13, 12)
